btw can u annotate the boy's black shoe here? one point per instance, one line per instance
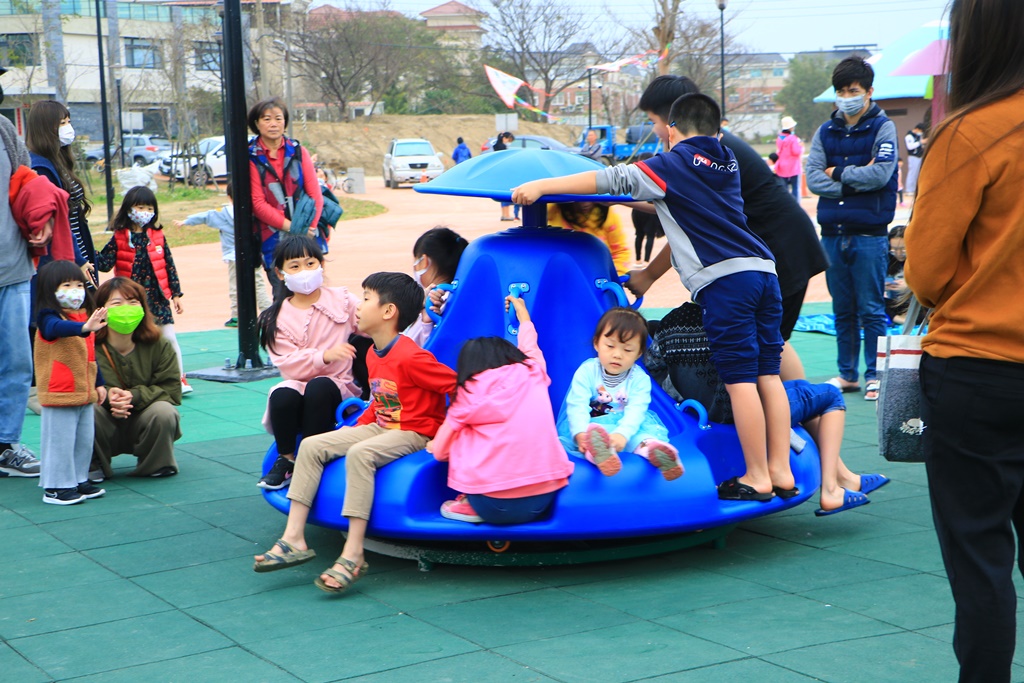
(90, 490)
(279, 475)
(62, 496)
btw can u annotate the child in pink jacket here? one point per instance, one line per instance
(502, 391)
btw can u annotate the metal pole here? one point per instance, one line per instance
(104, 117)
(590, 101)
(120, 119)
(721, 15)
(246, 251)
(288, 86)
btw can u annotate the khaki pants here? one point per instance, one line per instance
(262, 298)
(149, 435)
(366, 448)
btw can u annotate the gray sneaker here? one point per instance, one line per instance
(19, 462)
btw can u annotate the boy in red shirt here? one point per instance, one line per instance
(408, 386)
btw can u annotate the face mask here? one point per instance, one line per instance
(124, 319)
(305, 281)
(71, 298)
(417, 275)
(141, 218)
(66, 134)
(850, 105)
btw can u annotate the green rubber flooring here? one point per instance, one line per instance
(154, 583)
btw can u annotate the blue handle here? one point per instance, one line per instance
(444, 287)
(510, 314)
(620, 293)
(623, 279)
(697, 407)
(339, 415)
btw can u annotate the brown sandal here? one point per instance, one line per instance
(354, 574)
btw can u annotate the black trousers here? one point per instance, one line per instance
(973, 410)
(292, 413)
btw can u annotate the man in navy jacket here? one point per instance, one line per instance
(852, 168)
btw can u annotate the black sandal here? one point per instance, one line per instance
(732, 489)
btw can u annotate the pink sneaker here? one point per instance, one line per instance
(598, 450)
(460, 509)
(665, 457)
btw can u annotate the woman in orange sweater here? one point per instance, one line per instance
(965, 245)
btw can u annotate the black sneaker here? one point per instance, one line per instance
(279, 475)
(62, 496)
(89, 490)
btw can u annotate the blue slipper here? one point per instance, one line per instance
(851, 499)
(872, 482)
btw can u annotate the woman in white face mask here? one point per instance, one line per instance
(436, 256)
(306, 332)
(49, 136)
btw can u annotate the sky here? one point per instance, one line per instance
(785, 26)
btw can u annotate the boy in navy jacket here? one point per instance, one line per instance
(729, 271)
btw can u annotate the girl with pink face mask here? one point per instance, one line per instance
(307, 333)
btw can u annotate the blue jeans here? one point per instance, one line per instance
(511, 510)
(15, 359)
(856, 281)
(793, 182)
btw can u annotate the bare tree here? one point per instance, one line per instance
(546, 42)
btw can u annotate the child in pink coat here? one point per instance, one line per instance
(502, 391)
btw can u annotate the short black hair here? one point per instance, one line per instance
(853, 70)
(696, 113)
(261, 107)
(459, 140)
(485, 353)
(773, 156)
(50, 278)
(444, 247)
(663, 91)
(398, 289)
(920, 126)
(228, 190)
(624, 323)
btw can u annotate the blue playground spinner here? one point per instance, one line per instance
(568, 281)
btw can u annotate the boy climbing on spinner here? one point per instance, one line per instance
(729, 271)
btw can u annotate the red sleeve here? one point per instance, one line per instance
(428, 373)
(311, 184)
(264, 212)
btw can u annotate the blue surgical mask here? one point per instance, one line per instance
(850, 105)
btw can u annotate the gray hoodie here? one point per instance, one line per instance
(15, 264)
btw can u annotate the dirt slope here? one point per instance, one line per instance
(364, 141)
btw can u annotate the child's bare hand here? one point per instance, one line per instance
(101, 395)
(339, 352)
(178, 308)
(517, 302)
(618, 441)
(527, 193)
(580, 442)
(96, 321)
(178, 224)
(430, 447)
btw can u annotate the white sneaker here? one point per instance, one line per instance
(19, 462)
(185, 388)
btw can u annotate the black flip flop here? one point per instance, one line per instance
(785, 494)
(732, 489)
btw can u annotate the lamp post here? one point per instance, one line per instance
(721, 23)
(120, 118)
(103, 116)
(590, 100)
(287, 82)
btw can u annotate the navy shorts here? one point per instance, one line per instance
(807, 401)
(742, 316)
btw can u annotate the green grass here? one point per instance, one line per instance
(359, 208)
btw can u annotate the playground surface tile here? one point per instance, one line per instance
(154, 582)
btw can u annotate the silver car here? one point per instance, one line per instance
(411, 160)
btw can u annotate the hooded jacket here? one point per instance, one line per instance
(499, 433)
(35, 201)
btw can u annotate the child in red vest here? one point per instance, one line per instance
(139, 251)
(68, 380)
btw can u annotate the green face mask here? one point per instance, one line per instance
(124, 319)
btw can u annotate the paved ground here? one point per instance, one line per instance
(154, 582)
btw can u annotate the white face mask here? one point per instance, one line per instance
(304, 281)
(140, 218)
(417, 275)
(850, 105)
(71, 298)
(66, 134)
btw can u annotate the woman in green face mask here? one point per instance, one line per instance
(141, 370)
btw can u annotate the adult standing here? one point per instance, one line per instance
(915, 142)
(281, 171)
(461, 152)
(770, 210)
(852, 169)
(791, 153)
(964, 244)
(500, 144)
(140, 368)
(16, 270)
(591, 147)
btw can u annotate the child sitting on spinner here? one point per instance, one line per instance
(501, 390)
(610, 394)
